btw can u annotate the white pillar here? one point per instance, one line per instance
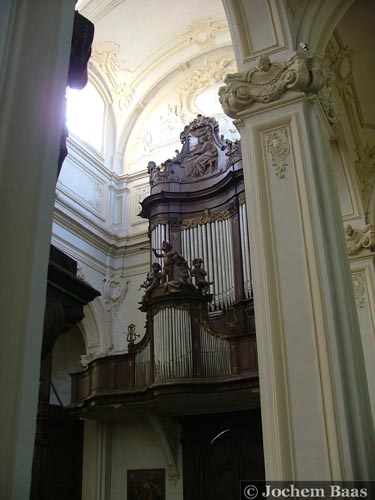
(34, 53)
(97, 461)
(361, 250)
(316, 415)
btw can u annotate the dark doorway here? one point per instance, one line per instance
(219, 451)
(58, 454)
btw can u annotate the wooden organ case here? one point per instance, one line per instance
(200, 329)
(200, 315)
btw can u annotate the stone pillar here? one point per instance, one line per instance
(316, 414)
(34, 54)
(97, 461)
(361, 249)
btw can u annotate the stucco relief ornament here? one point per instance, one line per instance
(268, 81)
(115, 289)
(328, 99)
(202, 32)
(360, 239)
(359, 284)
(278, 146)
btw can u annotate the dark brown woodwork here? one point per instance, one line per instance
(57, 461)
(218, 452)
(58, 453)
(66, 296)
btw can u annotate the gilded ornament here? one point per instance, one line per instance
(205, 219)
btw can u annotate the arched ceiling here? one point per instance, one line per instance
(151, 61)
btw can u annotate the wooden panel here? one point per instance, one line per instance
(124, 371)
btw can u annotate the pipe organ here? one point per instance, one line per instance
(197, 214)
(200, 329)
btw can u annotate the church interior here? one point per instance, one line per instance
(191, 303)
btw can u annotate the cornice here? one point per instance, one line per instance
(97, 9)
(268, 81)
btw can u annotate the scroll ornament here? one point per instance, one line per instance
(360, 239)
(268, 81)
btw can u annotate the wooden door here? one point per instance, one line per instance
(219, 451)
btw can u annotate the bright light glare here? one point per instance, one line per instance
(85, 115)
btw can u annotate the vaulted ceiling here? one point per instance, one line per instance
(158, 64)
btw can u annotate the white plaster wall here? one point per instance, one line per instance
(136, 445)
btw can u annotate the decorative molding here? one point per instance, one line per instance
(202, 32)
(341, 64)
(359, 284)
(210, 73)
(277, 145)
(97, 9)
(360, 239)
(140, 193)
(115, 289)
(139, 147)
(84, 188)
(268, 81)
(105, 58)
(170, 119)
(80, 273)
(328, 98)
(205, 219)
(365, 166)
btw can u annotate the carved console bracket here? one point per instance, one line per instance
(268, 81)
(360, 239)
(169, 434)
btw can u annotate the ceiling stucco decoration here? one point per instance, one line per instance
(350, 58)
(342, 63)
(202, 32)
(105, 59)
(210, 73)
(170, 119)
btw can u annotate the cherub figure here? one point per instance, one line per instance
(169, 259)
(199, 275)
(181, 263)
(153, 278)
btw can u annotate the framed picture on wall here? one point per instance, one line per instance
(146, 484)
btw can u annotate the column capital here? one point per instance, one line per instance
(268, 81)
(358, 240)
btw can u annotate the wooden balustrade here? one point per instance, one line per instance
(116, 375)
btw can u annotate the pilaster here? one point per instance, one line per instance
(97, 461)
(34, 57)
(316, 413)
(361, 251)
